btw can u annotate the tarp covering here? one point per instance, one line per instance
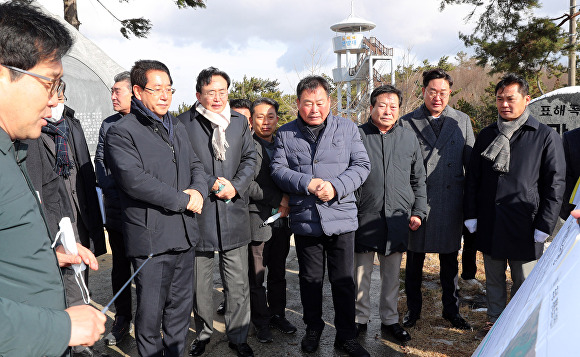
(88, 73)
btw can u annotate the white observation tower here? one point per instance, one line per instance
(364, 71)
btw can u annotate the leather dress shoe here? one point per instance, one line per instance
(282, 324)
(263, 334)
(310, 341)
(360, 328)
(243, 349)
(410, 319)
(198, 347)
(121, 328)
(352, 347)
(457, 321)
(397, 331)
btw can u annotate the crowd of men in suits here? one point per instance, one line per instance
(178, 190)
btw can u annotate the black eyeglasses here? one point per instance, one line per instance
(157, 92)
(56, 85)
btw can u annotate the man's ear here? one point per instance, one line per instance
(137, 91)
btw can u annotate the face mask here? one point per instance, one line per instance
(56, 113)
(67, 239)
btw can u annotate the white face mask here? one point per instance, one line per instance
(56, 113)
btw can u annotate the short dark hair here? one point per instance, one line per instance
(387, 88)
(436, 73)
(28, 37)
(204, 77)
(513, 78)
(264, 100)
(124, 76)
(140, 69)
(310, 83)
(240, 103)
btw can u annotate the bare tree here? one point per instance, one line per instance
(138, 27)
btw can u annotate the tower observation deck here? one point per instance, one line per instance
(361, 61)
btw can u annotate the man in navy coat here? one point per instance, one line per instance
(513, 193)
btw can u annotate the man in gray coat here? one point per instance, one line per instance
(392, 201)
(221, 139)
(446, 139)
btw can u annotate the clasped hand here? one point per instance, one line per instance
(195, 203)
(322, 189)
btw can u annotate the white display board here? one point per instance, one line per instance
(542, 318)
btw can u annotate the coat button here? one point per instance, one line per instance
(449, 165)
(174, 160)
(452, 142)
(155, 129)
(448, 186)
(316, 161)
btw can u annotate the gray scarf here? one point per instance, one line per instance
(499, 149)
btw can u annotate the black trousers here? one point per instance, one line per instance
(447, 276)
(271, 254)
(337, 251)
(120, 273)
(469, 266)
(164, 299)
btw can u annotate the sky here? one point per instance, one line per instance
(274, 39)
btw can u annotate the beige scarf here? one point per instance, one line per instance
(219, 123)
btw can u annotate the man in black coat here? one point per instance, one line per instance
(161, 184)
(221, 139)
(513, 193)
(571, 142)
(391, 202)
(121, 95)
(271, 243)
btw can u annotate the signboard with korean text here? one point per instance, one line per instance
(559, 109)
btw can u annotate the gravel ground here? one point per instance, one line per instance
(425, 342)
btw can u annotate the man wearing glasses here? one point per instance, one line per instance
(161, 184)
(59, 165)
(33, 310)
(222, 141)
(446, 139)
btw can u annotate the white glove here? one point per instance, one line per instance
(471, 225)
(540, 237)
(68, 241)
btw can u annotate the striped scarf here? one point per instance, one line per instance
(59, 131)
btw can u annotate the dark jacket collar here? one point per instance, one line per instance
(531, 122)
(138, 108)
(375, 130)
(311, 132)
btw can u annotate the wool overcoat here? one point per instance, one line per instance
(445, 157)
(223, 226)
(510, 206)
